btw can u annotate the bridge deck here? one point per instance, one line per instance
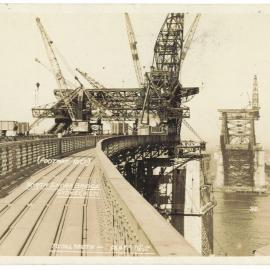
(82, 206)
(46, 215)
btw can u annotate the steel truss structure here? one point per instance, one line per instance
(164, 93)
(161, 93)
(238, 145)
(157, 171)
(137, 164)
(238, 142)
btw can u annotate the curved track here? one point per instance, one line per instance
(54, 212)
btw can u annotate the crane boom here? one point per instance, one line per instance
(189, 37)
(91, 98)
(255, 94)
(93, 82)
(61, 82)
(134, 51)
(69, 98)
(36, 121)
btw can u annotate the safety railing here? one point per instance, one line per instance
(130, 223)
(21, 156)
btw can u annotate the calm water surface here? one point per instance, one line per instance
(237, 229)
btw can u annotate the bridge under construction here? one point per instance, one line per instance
(242, 160)
(138, 195)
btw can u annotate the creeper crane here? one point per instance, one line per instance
(170, 53)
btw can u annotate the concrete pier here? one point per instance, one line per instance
(259, 169)
(219, 182)
(194, 209)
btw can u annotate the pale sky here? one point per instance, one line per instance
(231, 45)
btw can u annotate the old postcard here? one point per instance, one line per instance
(134, 133)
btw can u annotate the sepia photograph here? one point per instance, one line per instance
(134, 133)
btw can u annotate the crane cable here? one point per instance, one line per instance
(71, 84)
(192, 130)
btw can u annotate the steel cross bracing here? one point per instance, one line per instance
(238, 142)
(173, 155)
(153, 169)
(50, 110)
(164, 90)
(255, 94)
(54, 110)
(238, 127)
(168, 47)
(122, 103)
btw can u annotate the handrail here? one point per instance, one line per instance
(20, 157)
(134, 219)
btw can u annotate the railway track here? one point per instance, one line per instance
(38, 221)
(34, 221)
(62, 220)
(24, 191)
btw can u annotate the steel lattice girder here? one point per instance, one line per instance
(141, 152)
(128, 102)
(169, 45)
(238, 126)
(122, 103)
(238, 142)
(238, 167)
(186, 150)
(162, 85)
(52, 112)
(166, 61)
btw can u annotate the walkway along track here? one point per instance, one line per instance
(30, 207)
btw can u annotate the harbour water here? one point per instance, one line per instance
(241, 223)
